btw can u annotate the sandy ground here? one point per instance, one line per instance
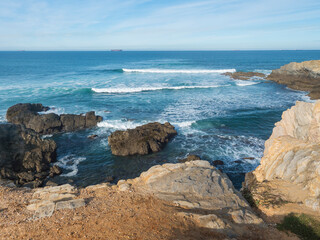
(109, 214)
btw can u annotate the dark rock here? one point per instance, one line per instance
(93, 136)
(238, 161)
(33, 184)
(304, 76)
(109, 178)
(55, 170)
(142, 140)
(217, 163)
(190, 158)
(27, 114)
(244, 75)
(24, 155)
(248, 158)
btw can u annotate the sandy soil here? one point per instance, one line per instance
(109, 214)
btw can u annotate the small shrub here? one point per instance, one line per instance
(304, 226)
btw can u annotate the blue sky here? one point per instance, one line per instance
(159, 25)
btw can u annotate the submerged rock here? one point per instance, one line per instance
(24, 156)
(244, 75)
(217, 163)
(27, 114)
(304, 76)
(142, 140)
(190, 158)
(290, 168)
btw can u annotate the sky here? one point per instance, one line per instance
(159, 24)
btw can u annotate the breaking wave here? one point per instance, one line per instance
(145, 89)
(155, 70)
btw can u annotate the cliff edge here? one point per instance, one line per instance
(288, 176)
(304, 76)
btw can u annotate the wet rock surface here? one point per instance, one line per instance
(25, 157)
(142, 140)
(27, 114)
(244, 75)
(304, 76)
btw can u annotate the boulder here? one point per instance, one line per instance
(142, 140)
(244, 75)
(289, 171)
(200, 190)
(24, 156)
(304, 76)
(27, 114)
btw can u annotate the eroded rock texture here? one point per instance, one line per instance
(202, 191)
(304, 76)
(290, 168)
(142, 140)
(24, 156)
(27, 114)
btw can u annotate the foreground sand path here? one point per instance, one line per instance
(108, 214)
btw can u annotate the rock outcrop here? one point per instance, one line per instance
(201, 191)
(24, 156)
(304, 76)
(27, 114)
(244, 75)
(290, 168)
(46, 200)
(142, 140)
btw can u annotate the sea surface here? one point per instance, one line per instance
(216, 118)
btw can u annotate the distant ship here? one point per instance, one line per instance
(116, 50)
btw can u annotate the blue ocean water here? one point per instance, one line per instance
(216, 118)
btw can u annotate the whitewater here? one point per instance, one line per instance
(216, 117)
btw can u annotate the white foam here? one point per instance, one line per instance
(155, 70)
(143, 89)
(70, 162)
(46, 136)
(185, 124)
(56, 110)
(119, 124)
(242, 83)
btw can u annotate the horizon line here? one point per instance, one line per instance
(145, 50)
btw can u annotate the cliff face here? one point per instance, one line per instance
(290, 168)
(304, 76)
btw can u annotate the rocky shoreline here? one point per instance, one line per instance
(304, 76)
(188, 195)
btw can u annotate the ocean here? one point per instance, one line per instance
(216, 117)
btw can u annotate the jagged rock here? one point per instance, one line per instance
(145, 139)
(190, 158)
(244, 75)
(27, 114)
(24, 156)
(304, 76)
(290, 168)
(202, 192)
